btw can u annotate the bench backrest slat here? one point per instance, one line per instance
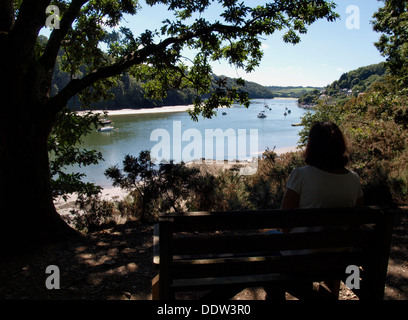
(237, 220)
(264, 243)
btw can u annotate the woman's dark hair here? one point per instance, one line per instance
(326, 147)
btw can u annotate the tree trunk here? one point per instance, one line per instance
(28, 213)
(27, 216)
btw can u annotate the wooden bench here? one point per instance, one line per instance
(231, 251)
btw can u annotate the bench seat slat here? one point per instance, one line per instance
(251, 280)
(238, 266)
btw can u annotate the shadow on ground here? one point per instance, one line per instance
(114, 263)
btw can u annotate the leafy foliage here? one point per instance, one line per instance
(163, 187)
(62, 145)
(267, 186)
(392, 21)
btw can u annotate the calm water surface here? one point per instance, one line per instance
(136, 133)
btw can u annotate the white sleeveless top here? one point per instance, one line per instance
(320, 189)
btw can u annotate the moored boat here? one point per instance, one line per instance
(262, 114)
(105, 121)
(107, 128)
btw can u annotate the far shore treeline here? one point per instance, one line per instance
(130, 93)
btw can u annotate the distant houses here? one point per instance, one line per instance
(351, 84)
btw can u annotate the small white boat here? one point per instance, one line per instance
(261, 114)
(107, 128)
(105, 121)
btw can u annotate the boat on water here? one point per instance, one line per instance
(105, 121)
(296, 124)
(261, 114)
(105, 129)
(224, 113)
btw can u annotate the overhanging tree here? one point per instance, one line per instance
(28, 111)
(391, 21)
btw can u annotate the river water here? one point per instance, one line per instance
(239, 134)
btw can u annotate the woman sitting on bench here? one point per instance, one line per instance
(324, 182)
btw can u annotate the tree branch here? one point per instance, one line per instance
(50, 54)
(30, 20)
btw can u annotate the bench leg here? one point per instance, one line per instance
(155, 287)
(275, 293)
(334, 287)
(302, 290)
(329, 289)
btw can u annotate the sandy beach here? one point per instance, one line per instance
(167, 109)
(150, 110)
(283, 150)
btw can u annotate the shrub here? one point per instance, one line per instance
(267, 186)
(164, 187)
(93, 214)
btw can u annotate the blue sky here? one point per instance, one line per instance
(328, 50)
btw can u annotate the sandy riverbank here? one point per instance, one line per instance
(168, 109)
(282, 150)
(165, 109)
